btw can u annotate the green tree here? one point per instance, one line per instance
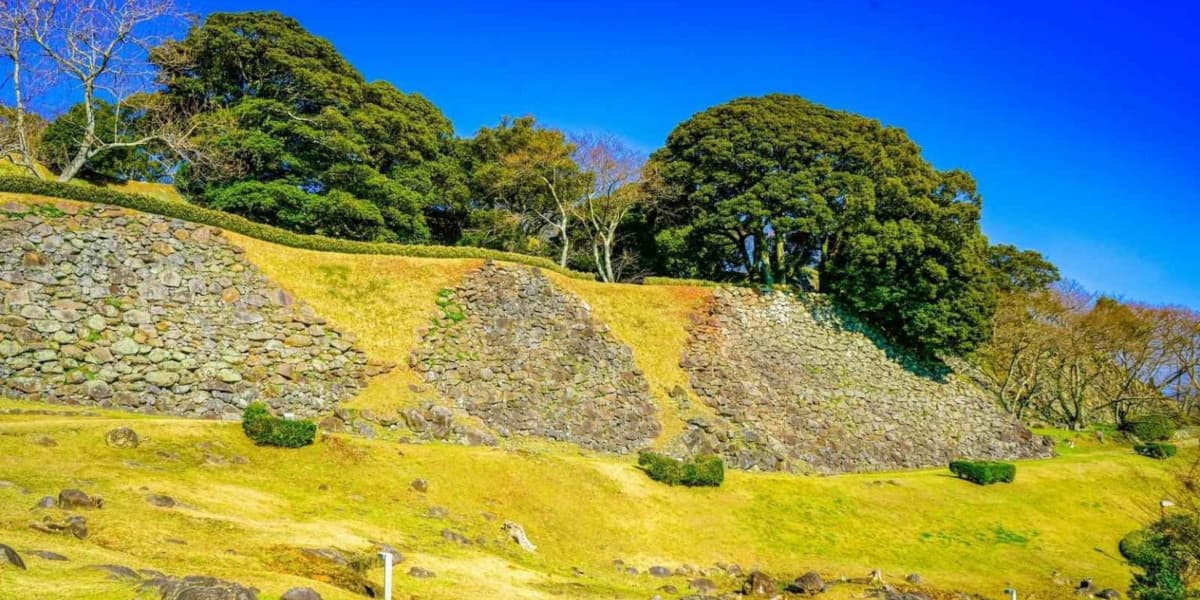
(61, 140)
(763, 188)
(1016, 270)
(281, 105)
(528, 171)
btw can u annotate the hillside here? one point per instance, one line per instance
(380, 336)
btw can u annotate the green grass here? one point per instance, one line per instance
(1063, 515)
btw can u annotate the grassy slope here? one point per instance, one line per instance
(582, 510)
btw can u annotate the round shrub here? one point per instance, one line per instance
(703, 471)
(984, 472)
(266, 430)
(1152, 428)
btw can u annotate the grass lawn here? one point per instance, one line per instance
(1063, 515)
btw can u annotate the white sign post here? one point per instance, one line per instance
(387, 575)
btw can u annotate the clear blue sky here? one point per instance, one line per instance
(1079, 120)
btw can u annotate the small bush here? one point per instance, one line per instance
(1156, 450)
(1168, 552)
(266, 430)
(984, 472)
(702, 471)
(1153, 428)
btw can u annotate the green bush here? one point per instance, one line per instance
(984, 472)
(1168, 552)
(702, 471)
(266, 430)
(1156, 450)
(1153, 428)
(275, 235)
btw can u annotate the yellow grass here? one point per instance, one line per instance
(1063, 515)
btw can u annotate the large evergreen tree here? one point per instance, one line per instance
(281, 106)
(763, 188)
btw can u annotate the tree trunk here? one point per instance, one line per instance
(566, 241)
(89, 135)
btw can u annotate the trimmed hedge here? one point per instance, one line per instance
(1152, 428)
(268, 233)
(984, 472)
(266, 430)
(1157, 450)
(702, 471)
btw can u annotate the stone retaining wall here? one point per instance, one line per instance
(529, 359)
(106, 307)
(798, 386)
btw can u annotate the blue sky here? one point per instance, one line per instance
(1078, 119)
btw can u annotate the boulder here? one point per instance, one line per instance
(10, 557)
(808, 583)
(659, 571)
(122, 437)
(420, 485)
(913, 579)
(759, 584)
(46, 502)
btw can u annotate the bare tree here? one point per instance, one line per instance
(616, 171)
(101, 46)
(20, 128)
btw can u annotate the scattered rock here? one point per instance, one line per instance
(195, 587)
(161, 501)
(45, 441)
(72, 498)
(47, 555)
(808, 583)
(913, 579)
(122, 437)
(516, 533)
(46, 502)
(118, 571)
(11, 557)
(659, 571)
(759, 584)
(420, 485)
(702, 585)
(453, 536)
(300, 594)
(1109, 594)
(420, 573)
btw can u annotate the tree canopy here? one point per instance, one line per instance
(763, 188)
(278, 104)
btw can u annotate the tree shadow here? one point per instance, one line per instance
(826, 312)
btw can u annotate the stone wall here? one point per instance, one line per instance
(106, 307)
(798, 386)
(529, 359)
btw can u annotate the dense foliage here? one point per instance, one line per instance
(765, 187)
(1168, 552)
(267, 430)
(701, 471)
(984, 472)
(279, 106)
(1152, 428)
(1156, 450)
(60, 141)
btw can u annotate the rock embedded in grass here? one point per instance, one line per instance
(46, 502)
(300, 594)
(48, 555)
(161, 501)
(808, 583)
(73, 498)
(11, 557)
(421, 573)
(759, 584)
(517, 534)
(122, 437)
